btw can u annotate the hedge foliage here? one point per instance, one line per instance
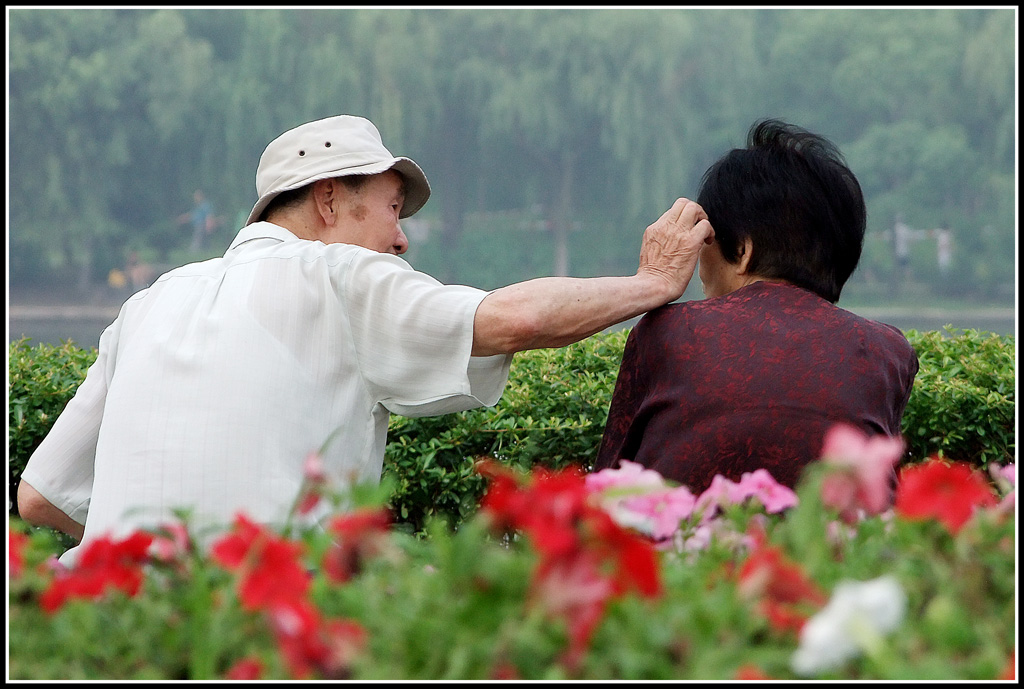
(42, 380)
(554, 409)
(963, 403)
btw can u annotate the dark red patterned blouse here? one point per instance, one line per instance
(751, 379)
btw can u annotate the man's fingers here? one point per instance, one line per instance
(673, 213)
(710, 230)
(683, 210)
(690, 213)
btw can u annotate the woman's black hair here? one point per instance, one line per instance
(790, 192)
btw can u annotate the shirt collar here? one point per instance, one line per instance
(261, 230)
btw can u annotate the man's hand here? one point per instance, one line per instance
(672, 244)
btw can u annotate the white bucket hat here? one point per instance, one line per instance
(332, 147)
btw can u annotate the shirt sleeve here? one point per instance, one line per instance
(62, 467)
(413, 337)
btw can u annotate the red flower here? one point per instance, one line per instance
(555, 510)
(504, 669)
(751, 673)
(269, 566)
(1009, 672)
(360, 535)
(312, 645)
(633, 558)
(576, 590)
(586, 557)
(947, 492)
(104, 563)
(245, 669)
(783, 592)
(15, 552)
(547, 508)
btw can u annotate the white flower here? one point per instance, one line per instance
(853, 621)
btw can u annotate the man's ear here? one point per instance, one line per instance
(746, 254)
(326, 200)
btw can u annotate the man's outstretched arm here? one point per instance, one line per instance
(557, 311)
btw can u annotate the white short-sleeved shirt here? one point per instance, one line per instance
(213, 385)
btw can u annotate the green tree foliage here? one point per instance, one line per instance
(99, 102)
(579, 125)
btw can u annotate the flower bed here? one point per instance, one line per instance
(559, 575)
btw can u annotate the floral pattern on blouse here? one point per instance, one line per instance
(752, 379)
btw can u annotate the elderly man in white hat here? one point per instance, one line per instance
(215, 383)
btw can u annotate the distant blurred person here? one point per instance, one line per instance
(754, 375)
(201, 219)
(140, 274)
(213, 385)
(943, 250)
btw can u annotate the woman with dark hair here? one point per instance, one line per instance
(755, 374)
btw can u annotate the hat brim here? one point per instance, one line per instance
(417, 189)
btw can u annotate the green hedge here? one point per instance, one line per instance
(554, 409)
(42, 381)
(963, 403)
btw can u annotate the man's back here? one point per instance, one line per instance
(214, 384)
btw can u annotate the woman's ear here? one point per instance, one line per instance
(746, 254)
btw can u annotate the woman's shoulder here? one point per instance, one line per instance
(703, 315)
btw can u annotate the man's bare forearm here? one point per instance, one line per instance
(38, 511)
(557, 311)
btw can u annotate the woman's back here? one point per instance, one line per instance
(749, 380)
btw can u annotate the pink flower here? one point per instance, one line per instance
(640, 499)
(657, 513)
(171, 542)
(629, 475)
(758, 484)
(774, 496)
(577, 591)
(862, 471)
(720, 531)
(720, 493)
(313, 468)
(314, 480)
(1005, 480)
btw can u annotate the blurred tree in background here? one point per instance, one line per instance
(552, 137)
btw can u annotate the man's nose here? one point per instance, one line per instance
(401, 242)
